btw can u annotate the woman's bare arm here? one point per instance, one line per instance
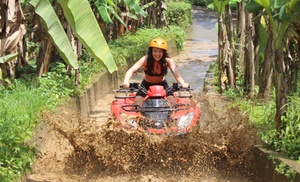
(176, 74)
(140, 63)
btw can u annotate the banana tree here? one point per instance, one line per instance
(12, 31)
(225, 65)
(125, 11)
(281, 14)
(135, 9)
(106, 8)
(83, 22)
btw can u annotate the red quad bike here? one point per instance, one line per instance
(156, 116)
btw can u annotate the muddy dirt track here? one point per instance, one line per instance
(219, 149)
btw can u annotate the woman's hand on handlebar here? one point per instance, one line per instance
(185, 85)
(125, 85)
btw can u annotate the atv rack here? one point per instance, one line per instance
(125, 93)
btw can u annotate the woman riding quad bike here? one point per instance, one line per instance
(156, 116)
(152, 105)
(156, 64)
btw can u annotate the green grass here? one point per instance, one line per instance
(20, 108)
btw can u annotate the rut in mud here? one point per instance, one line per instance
(216, 150)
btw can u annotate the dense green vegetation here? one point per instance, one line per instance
(260, 115)
(21, 105)
(130, 47)
(257, 66)
(179, 14)
(200, 2)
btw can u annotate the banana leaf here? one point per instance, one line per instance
(134, 6)
(84, 24)
(55, 30)
(220, 5)
(8, 57)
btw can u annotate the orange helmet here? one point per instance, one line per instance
(159, 43)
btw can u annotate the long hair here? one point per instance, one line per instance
(162, 62)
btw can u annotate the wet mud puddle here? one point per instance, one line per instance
(108, 152)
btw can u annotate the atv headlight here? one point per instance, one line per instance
(185, 120)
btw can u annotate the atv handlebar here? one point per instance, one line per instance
(182, 92)
(134, 86)
(177, 87)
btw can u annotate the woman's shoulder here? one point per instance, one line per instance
(143, 59)
(169, 60)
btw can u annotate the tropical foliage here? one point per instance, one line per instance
(79, 14)
(258, 57)
(64, 25)
(56, 31)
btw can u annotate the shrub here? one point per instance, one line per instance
(20, 108)
(130, 47)
(290, 134)
(179, 14)
(200, 2)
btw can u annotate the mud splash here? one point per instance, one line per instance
(216, 150)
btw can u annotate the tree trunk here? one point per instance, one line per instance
(77, 50)
(290, 57)
(230, 48)
(249, 83)
(297, 63)
(44, 57)
(222, 62)
(280, 88)
(265, 82)
(256, 45)
(240, 46)
(225, 57)
(116, 31)
(162, 16)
